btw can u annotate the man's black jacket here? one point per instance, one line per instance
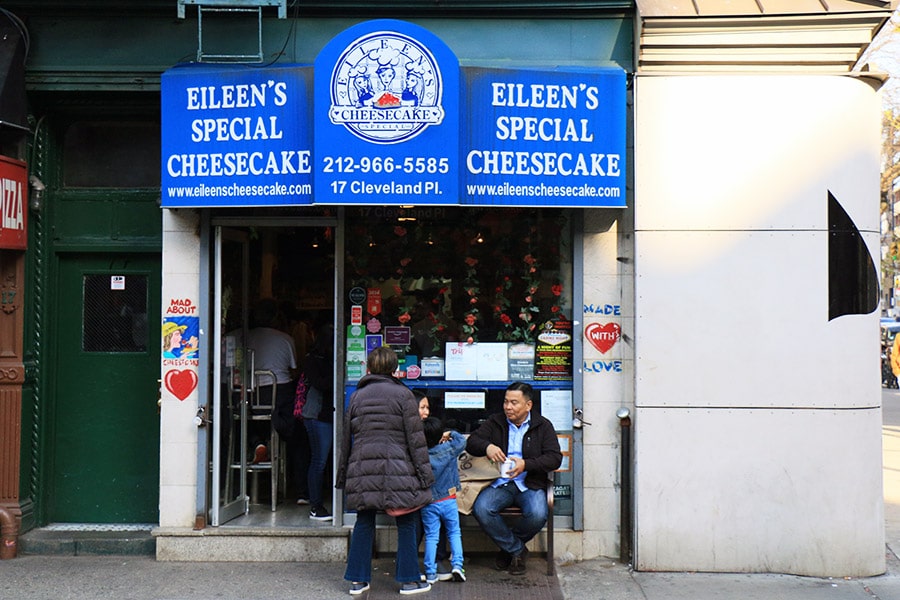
(540, 447)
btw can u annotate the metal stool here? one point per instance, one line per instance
(261, 409)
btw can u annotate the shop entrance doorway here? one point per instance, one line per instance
(288, 265)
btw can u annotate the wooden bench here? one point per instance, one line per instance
(515, 511)
(479, 471)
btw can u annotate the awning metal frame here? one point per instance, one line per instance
(231, 6)
(281, 4)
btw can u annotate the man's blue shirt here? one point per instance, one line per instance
(516, 435)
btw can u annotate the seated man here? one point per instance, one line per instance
(529, 442)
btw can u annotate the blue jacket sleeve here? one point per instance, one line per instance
(457, 442)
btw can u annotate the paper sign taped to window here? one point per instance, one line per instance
(464, 400)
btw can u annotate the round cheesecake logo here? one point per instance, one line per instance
(386, 88)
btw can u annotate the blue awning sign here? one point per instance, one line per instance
(236, 136)
(386, 88)
(386, 116)
(545, 137)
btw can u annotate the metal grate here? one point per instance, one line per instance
(280, 4)
(115, 313)
(99, 527)
(231, 7)
(204, 56)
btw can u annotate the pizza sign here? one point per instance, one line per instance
(13, 190)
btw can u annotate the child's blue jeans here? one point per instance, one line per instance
(446, 512)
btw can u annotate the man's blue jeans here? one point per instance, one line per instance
(321, 436)
(359, 559)
(492, 500)
(446, 511)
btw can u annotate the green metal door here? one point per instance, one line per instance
(105, 419)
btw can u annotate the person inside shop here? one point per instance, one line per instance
(318, 415)
(526, 447)
(273, 350)
(383, 424)
(300, 326)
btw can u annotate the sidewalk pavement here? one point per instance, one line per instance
(606, 579)
(609, 580)
(55, 577)
(41, 577)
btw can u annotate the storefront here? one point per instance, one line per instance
(617, 214)
(442, 216)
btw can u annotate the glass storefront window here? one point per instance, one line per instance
(471, 300)
(460, 275)
(476, 275)
(435, 282)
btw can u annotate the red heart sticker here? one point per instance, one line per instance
(603, 336)
(181, 383)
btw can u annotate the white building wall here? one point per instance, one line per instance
(178, 433)
(757, 425)
(607, 375)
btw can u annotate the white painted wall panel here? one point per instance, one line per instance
(794, 491)
(740, 318)
(733, 152)
(758, 419)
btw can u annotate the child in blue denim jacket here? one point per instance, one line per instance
(443, 508)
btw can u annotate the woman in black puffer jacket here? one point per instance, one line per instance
(385, 467)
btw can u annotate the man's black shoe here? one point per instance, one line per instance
(517, 565)
(503, 560)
